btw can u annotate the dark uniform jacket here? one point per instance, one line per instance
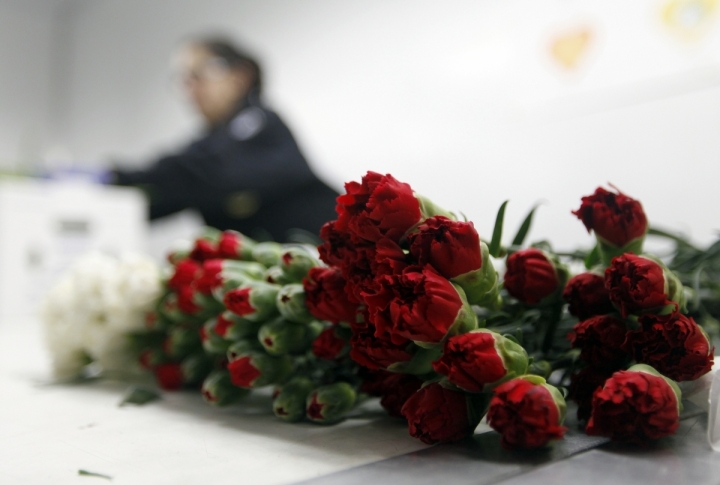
(247, 175)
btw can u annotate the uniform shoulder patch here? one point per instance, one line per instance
(248, 123)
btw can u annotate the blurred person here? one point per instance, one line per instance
(246, 172)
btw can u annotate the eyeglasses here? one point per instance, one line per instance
(213, 69)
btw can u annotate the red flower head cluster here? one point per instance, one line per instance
(377, 352)
(587, 296)
(530, 276)
(527, 415)
(615, 217)
(635, 406)
(436, 414)
(242, 372)
(673, 344)
(583, 386)
(636, 284)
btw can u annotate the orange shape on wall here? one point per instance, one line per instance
(568, 49)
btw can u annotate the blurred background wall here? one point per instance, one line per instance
(472, 102)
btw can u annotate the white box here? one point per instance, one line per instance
(46, 225)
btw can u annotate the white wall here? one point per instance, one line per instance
(26, 30)
(460, 98)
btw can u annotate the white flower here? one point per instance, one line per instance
(88, 315)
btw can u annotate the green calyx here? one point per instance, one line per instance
(267, 253)
(295, 263)
(289, 404)
(651, 370)
(482, 285)
(329, 404)
(280, 337)
(607, 250)
(218, 389)
(290, 301)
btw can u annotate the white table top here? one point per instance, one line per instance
(48, 432)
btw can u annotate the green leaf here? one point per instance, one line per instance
(139, 396)
(593, 257)
(86, 473)
(524, 227)
(497, 231)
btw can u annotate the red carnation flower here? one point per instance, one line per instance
(600, 340)
(417, 304)
(186, 300)
(583, 385)
(378, 206)
(184, 274)
(210, 277)
(673, 344)
(398, 389)
(169, 376)
(238, 301)
(634, 406)
(376, 352)
(615, 217)
(242, 372)
(475, 359)
(527, 415)
(230, 246)
(438, 415)
(530, 276)
(337, 248)
(587, 296)
(451, 247)
(203, 250)
(328, 345)
(635, 284)
(325, 296)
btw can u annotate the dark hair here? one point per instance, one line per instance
(233, 55)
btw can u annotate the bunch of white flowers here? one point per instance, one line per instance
(89, 314)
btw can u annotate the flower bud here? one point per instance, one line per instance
(182, 341)
(289, 403)
(254, 301)
(280, 337)
(242, 347)
(234, 245)
(480, 360)
(170, 310)
(639, 284)
(255, 369)
(290, 302)
(276, 276)
(219, 275)
(169, 376)
(234, 327)
(204, 249)
(329, 404)
(636, 405)
(296, 262)
(436, 414)
(211, 341)
(618, 221)
(195, 368)
(184, 273)
(532, 275)
(527, 412)
(218, 389)
(267, 253)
